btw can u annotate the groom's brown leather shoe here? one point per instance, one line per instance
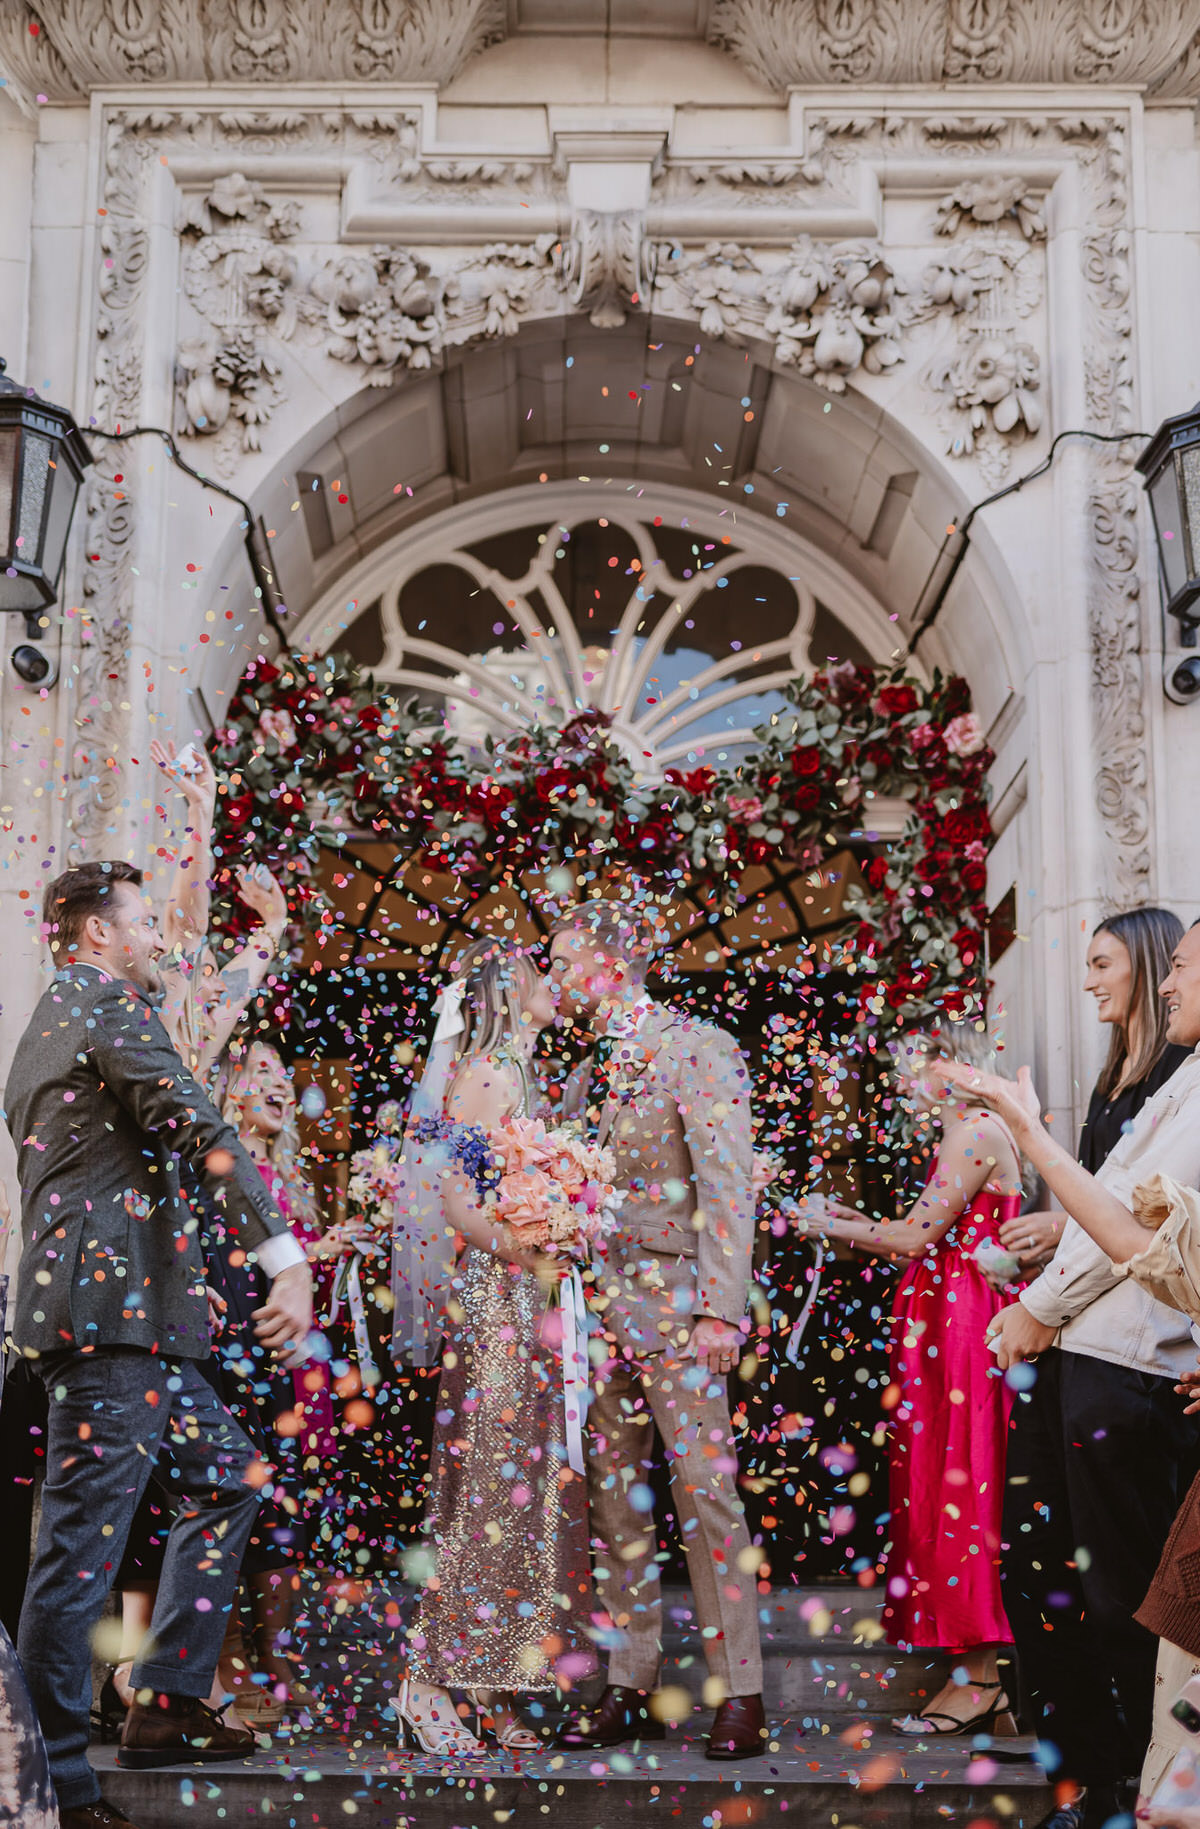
(739, 1729)
(178, 1730)
(620, 1714)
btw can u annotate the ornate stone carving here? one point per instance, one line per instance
(489, 294)
(993, 382)
(383, 310)
(605, 268)
(239, 277)
(992, 199)
(834, 310)
(815, 42)
(102, 695)
(66, 48)
(992, 375)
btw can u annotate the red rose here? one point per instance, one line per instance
(806, 760)
(370, 717)
(974, 878)
(698, 781)
(962, 825)
(876, 871)
(896, 701)
(806, 799)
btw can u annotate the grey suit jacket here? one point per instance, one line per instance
(102, 1110)
(683, 1140)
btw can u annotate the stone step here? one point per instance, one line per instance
(316, 1783)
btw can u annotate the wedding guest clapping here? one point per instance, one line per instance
(948, 1428)
(1107, 1456)
(1128, 957)
(204, 1001)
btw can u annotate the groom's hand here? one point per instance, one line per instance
(283, 1322)
(716, 1344)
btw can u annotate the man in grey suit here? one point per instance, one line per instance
(112, 1312)
(671, 1099)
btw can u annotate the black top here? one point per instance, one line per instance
(1107, 1119)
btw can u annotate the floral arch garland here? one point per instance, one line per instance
(312, 748)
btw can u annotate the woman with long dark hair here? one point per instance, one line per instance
(1100, 1454)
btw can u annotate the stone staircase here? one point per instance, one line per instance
(832, 1687)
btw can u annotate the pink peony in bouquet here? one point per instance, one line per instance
(554, 1189)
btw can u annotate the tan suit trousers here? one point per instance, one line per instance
(693, 1421)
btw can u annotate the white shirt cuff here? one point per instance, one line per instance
(1043, 1307)
(280, 1252)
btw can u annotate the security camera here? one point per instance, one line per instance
(32, 666)
(1181, 680)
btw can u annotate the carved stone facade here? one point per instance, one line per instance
(302, 216)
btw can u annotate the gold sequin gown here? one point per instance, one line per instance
(507, 1605)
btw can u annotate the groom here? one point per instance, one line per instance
(671, 1098)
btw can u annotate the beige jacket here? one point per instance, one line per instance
(679, 1125)
(1120, 1320)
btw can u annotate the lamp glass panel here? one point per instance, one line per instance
(64, 487)
(35, 481)
(1168, 522)
(1189, 490)
(21, 592)
(10, 450)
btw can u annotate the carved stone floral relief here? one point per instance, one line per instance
(963, 311)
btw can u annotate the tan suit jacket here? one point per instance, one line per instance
(679, 1125)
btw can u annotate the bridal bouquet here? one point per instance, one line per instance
(375, 1180)
(554, 1190)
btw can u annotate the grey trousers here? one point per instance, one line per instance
(690, 1408)
(119, 1415)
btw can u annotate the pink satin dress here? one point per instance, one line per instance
(948, 1437)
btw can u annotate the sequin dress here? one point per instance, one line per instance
(508, 1601)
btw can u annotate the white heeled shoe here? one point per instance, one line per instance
(514, 1736)
(433, 1724)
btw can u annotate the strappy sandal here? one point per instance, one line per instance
(440, 1731)
(513, 1736)
(996, 1719)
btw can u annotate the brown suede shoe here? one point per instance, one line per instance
(620, 1714)
(94, 1816)
(178, 1730)
(739, 1729)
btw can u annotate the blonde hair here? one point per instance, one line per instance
(283, 1150)
(497, 979)
(968, 1042)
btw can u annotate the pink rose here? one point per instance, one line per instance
(922, 735)
(746, 806)
(964, 736)
(976, 852)
(277, 724)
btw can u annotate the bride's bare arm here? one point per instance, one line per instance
(484, 1093)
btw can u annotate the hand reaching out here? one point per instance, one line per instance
(1016, 1101)
(199, 788)
(261, 892)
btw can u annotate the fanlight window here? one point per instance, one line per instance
(683, 636)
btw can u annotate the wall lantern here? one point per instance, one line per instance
(43, 455)
(1171, 466)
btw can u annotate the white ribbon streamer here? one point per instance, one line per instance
(575, 1365)
(796, 1337)
(352, 1283)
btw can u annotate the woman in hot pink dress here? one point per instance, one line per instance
(950, 1421)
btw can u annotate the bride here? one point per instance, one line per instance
(511, 1583)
